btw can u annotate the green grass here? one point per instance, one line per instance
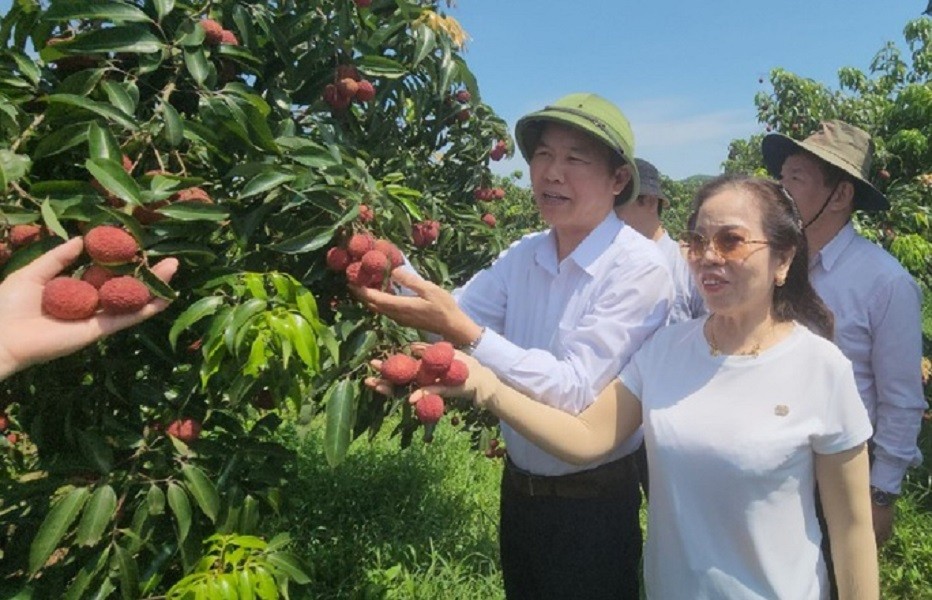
(421, 523)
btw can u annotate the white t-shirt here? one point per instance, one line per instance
(730, 443)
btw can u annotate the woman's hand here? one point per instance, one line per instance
(28, 336)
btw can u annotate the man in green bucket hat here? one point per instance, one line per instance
(557, 315)
(875, 301)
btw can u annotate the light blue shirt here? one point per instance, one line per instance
(877, 307)
(561, 331)
(688, 304)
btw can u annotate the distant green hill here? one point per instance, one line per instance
(696, 180)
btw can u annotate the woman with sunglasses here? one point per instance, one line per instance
(758, 409)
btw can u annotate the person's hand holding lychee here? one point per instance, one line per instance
(29, 336)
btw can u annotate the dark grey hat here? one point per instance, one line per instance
(650, 181)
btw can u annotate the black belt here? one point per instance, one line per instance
(605, 481)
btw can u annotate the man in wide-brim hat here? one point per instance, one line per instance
(875, 300)
(557, 315)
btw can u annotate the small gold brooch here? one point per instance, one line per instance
(781, 410)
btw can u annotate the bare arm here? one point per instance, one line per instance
(595, 432)
(843, 480)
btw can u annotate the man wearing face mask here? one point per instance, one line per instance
(876, 303)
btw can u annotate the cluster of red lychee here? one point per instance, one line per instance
(149, 214)
(499, 150)
(19, 236)
(488, 194)
(366, 260)
(437, 366)
(215, 34)
(425, 233)
(11, 436)
(70, 299)
(366, 214)
(347, 86)
(186, 430)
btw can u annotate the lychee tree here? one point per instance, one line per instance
(893, 102)
(246, 138)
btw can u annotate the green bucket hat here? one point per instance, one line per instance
(841, 145)
(592, 114)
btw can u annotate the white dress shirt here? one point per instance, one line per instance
(877, 307)
(688, 304)
(561, 331)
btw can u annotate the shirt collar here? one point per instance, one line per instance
(831, 252)
(587, 252)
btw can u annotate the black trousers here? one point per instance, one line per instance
(559, 542)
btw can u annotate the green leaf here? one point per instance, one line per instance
(195, 211)
(118, 96)
(242, 314)
(155, 498)
(85, 576)
(97, 515)
(307, 241)
(110, 174)
(203, 490)
(305, 342)
(128, 572)
(55, 526)
(51, 220)
(425, 40)
(12, 167)
(26, 65)
(194, 313)
(102, 144)
(181, 507)
(290, 565)
(60, 140)
(102, 10)
(95, 450)
(164, 7)
(380, 66)
(122, 38)
(174, 128)
(264, 182)
(341, 410)
(100, 108)
(196, 62)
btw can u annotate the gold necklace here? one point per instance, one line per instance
(714, 350)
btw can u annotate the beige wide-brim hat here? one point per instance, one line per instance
(839, 144)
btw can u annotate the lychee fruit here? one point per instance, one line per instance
(194, 194)
(122, 295)
(363, 3)
(344, 71)
(366, 91)
(97, 275)
(884, 174)
(5, 253)
(4, 422)
(13, 438)
(429, 409)
(425, 376)
(375, 263)
(425, 233)
(127, 164)
(399, 369)
(498, 151)
(186, 430)
(69, 299)
(359, 244)
(109, 245)
(437, 358)
(213, 32)
(463, 96)
(347, 87)
(229, 38)
(456, 375)
(355, 275)
(391, 251)
(489, 219)
(366, 214)
(463, 115)
(23, 235)
(337, 259)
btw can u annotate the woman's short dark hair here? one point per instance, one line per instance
(783, 228)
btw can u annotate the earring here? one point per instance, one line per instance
(780, 281)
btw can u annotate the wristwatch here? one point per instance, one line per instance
(882, 498)
(468, 348)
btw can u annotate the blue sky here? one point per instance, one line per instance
(684, 73)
